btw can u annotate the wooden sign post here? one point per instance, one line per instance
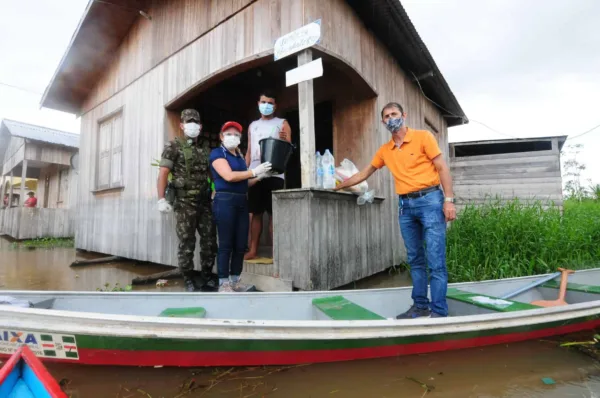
(301, 40)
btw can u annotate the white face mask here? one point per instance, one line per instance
(192, 130)
(231, 141)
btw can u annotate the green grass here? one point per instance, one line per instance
(45, 243)
(503, 240)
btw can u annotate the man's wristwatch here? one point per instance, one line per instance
(449, 200)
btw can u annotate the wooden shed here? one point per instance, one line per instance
(34, 152)
(524, 168)
(130, 69)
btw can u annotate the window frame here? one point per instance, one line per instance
(112, 183)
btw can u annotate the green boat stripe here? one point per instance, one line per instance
(157, 344)
(575, 287)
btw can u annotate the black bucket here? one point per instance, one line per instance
(277, 152)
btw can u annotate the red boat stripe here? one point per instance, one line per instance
(250, 358)
(48, 345)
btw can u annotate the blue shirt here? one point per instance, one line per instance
(237, 163)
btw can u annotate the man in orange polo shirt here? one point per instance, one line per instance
(416, 162)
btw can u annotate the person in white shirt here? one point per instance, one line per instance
(259, 196)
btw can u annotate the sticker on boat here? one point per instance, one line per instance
(492, 301)
(43, 345)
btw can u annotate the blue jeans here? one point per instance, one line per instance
(230, 211)
(423, 228)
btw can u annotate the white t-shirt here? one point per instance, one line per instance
(260, 129)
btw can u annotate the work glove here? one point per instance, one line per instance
(164, 206)
(266, 175)
(261, 169)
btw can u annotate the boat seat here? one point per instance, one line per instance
(489, 302)
(187, 312)
(575, 287)
(340, 308)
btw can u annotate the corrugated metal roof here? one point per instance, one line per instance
(42, 134)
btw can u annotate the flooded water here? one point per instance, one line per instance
(514, 370)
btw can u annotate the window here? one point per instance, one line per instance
(110, 149)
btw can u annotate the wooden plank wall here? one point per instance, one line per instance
(48, 153)
(528, 176)
(175, 24)
(14, 154)
(344, 244)
(67, 197)
(126, 222)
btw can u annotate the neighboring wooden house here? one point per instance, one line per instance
(28, 151)
(524, 168)
(129, 75)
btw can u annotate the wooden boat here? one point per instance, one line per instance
(24, 376)
(212, 329)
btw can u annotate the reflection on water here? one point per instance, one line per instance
(511, 371)
(48, 269)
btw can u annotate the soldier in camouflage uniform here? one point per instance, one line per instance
(187, 160)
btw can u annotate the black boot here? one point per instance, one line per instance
(210, 281)
(190, 284)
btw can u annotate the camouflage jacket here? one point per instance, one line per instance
(188, 162)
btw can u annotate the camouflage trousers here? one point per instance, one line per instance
(191, 216)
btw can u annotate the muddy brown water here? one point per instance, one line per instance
(514, 370)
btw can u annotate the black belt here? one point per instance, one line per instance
(418, 194)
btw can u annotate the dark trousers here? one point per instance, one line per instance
(230, 211)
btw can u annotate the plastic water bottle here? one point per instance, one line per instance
(329, 170)
(319, 167)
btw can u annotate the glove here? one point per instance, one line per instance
(164, 206)
(265, 175)
(261, 169)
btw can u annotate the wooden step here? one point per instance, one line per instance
(187, 312)
(489, 302)
(339, 308)
(575, 287)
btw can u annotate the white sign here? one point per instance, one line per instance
(305, 72)
(298, 40)
(44, 345)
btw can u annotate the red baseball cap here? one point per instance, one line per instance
(235, 125)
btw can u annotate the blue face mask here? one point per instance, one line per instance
(394, 125)
(266, 108)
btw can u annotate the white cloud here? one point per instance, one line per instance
(525, 68)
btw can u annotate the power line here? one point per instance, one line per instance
(20, 88)
(455, 115)
(584, 133)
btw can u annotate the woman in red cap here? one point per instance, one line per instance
(230, 207)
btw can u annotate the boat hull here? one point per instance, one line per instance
(156, 351)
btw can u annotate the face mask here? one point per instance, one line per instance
(394, 125)
(192, 130)
(231, 141)
(266, 108)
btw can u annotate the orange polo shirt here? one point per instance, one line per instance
(411, 164)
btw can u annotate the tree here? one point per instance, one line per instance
(572, 169)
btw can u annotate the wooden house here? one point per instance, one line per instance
(131, 68)
(524, 168)
(34, 152)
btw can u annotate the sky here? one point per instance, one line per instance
(525, 68)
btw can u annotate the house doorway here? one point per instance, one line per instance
(234, 94)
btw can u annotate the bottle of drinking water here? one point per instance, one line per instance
(329, 170)
(319, 171)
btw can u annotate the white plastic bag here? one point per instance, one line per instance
(346, 170)
(367, 197)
